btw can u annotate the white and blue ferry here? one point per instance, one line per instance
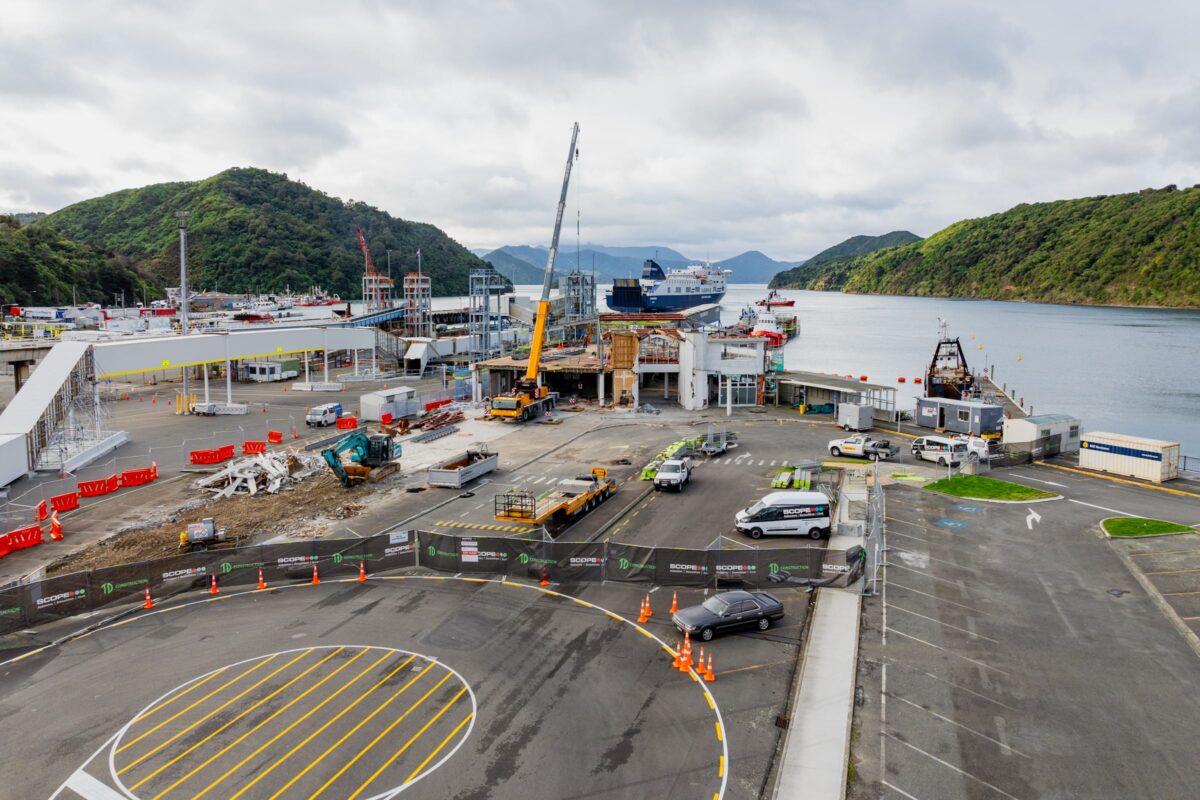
(679, 289)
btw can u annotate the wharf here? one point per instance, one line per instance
(1012, 410)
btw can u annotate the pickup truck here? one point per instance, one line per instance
(673, 474)
(862, 446)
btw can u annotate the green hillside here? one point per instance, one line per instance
(38, 266)
(251, 230)
(517, 270)
(1141, 248)
(825, 269)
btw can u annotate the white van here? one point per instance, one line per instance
(783, 513)
(940, 449)
(324, 415)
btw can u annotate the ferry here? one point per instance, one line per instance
(774, 299)
(679, 289)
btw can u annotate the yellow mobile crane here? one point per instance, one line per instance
(528, 399)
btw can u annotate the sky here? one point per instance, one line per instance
(710, 127)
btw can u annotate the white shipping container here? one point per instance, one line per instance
(397, 401)
(14, 459)
(1148, 459)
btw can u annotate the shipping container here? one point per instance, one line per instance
(1148, 459)
(397, 401)
(959, 416)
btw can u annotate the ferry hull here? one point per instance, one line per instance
(638, 303)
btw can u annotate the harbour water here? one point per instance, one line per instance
(1129, 370)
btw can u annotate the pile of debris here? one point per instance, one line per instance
(438, 420)
(265, 472)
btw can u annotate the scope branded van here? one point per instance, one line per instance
(786, 513)
(323, 416)
(940, 449)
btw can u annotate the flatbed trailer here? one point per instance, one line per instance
(567, 501)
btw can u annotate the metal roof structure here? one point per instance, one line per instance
(1041, 419)
(833, 383)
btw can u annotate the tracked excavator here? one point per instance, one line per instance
(528, 399)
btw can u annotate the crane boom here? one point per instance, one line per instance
(543, 310)
(366, 251)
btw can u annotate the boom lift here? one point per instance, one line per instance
(371, 458)
(528, 399)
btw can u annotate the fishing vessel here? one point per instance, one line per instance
(775, 299)
(681, 288)
(948, 375)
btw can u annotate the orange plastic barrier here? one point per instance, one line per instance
(253, 448)
(40, 512)
(97, 488)
(136, 477)
(347, 423)
(20, 539)
(436, 404)
(275, 437)
(65, 502)
(386, 418)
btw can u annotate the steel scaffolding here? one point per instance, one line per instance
(418, 304)
(484, 322)
(579, 297)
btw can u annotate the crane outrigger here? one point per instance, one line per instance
(528, 398)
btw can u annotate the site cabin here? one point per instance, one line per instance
(268, 371)
(457, 472)
(567, 501)
(855, 417)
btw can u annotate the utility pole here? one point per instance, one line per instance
(184, 301)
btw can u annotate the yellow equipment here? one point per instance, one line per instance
(568, 500)
(528, 399)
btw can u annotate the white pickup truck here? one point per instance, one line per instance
(862, 446)
(673, 474)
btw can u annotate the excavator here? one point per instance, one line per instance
(528, 399)
(371, 458)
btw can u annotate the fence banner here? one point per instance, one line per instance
(239, 566)
(113, 584)
(12, 610)
(439, 551)
(56, 597)
(532, 559)
(679, 567)
(740, 564)
(288, 562)
(578, 561)
(484, 554)
(790, 566)
(627, 562)
(392, 550)
(339, 558)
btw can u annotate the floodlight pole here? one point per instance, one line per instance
(183, 289)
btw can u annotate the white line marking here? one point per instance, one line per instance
(1102, 508)
(931, 558)
(772, 462)
(1002, 732)
(906, 522)
(88, 787)
(996, 742)
(910, 536)
(465, 513)
(951, 766)
(1039, 480)
(965, 689)
(944, 650)
(939, 599)
(1032, 518)
(1053, 602)
(760, 463)
(899, 791)
(926, 574)
(947, 624)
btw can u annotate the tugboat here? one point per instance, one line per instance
(774, 300)
(948, 375)
(679, 289)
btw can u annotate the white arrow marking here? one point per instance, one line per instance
(1032, 518)
(1039, 480)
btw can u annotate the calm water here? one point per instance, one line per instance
(1134, 371)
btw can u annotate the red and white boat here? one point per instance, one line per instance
(774, 300)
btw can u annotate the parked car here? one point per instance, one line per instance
(862, 445)
(728, 611)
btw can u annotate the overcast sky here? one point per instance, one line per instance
(712, 127)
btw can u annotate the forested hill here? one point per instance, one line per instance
(1141, 248)
(251, 230)
(38, 266)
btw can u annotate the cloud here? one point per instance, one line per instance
(707, 126)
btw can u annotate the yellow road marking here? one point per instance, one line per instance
(407, 744)
(719, 739)
(206, 717)
(721, 767)
(382, 733)
(711, 705)
(438, 749)
(146, 714)
(362, 722)
(231, 722)
(645, 633)
(288, 729)
(1180, 492)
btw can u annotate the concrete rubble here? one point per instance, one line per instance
(265, 472)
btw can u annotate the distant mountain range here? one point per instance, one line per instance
(526, 264)
(1138, 249)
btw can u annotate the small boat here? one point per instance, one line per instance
(252, 316)
(774, 299)
(767, 326)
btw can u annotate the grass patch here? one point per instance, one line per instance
(977, 487)
(1141, 526)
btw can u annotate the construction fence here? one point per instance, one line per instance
(29, 605)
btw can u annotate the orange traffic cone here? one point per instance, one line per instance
(649, 612)
(294, 434)
(316, 578)
(642, 613)
(687, 649)
(153, 471)
(700, 662)
(674, 602)
(154, 400)
(709, 675)
(545, 581)
(148, 603)
(678, 654)
(212, 589)
(55, 527)
(362, 571)
(261, 583)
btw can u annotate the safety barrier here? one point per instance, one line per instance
(223, 453)
(137, 477)
(23, 606)
(19, 539)
(40, 512)
(275, 437)
(65, 502)
(347, 423)
(99, 487)
(436, 404)
(253, 448)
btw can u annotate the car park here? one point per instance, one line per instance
(728, 611)
(786, 513)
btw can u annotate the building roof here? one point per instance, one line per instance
(834, 383)
(959, 403)
(552, 361)
(1121, 438)
(1042, 419)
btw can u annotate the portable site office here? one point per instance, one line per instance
(959, 416)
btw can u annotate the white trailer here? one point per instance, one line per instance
(219, 409)
(855, 417)
(1147, 459)
(457, 472)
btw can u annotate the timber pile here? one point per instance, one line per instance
(266, 472)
